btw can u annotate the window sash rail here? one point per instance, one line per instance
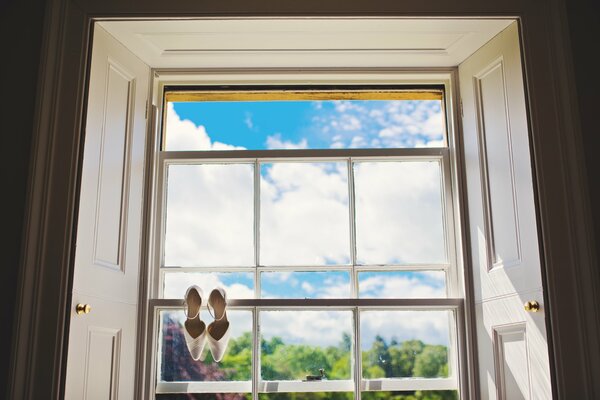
(308, 304)
(310, 268)
(303, 155)
(388, 384)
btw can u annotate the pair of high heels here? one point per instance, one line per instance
(195, 331)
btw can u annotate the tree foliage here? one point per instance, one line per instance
(281, 361)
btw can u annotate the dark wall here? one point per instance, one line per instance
(21, 24)
(584, 27)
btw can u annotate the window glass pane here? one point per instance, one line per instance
(295, 344)
(405, 344)
(301, 285)
(304, 217)
(402, 284)
(176, 363)
(416, 395)
(238, 285)
(210, 215)
(304, 124)
(399, 213)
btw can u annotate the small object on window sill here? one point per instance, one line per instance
(310, 378)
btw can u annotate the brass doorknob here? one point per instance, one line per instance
(83, 309)
(532, 306)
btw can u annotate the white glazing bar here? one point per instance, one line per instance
(390, 384)
(303, 386)
(255, 316)
(402, 267)
(463, 350)
(203, 387)
(449, 226)
(305, 268)
(256, 229)
(301, 155)
(255, 353)
(153, 335)
(352, 216)
(409, 384)
(357, 355)
(160, 223)
(276, 304)
(453, 345)
(191, 270)
(311, 268)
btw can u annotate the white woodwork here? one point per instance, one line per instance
(512, 345)
(112, 198)
(102, 344)
(497, 168)
(304, 42)
(511, 352)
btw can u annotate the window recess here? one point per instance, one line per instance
(336, 245)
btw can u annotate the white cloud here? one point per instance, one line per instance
(399, 213)
(275, 142)
(431, 327)
(185, 135)
(317, 328)
(325, 328)
(210, 214)
(307, 287)
(394, 123)
(386, 286)
(358, 142)
(304, 214)
(177, 283)
(248, 121)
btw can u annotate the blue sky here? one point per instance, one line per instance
(248, 124)
(317, 124)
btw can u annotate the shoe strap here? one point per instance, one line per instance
(185, 308)
(209, 308)
(185, 304)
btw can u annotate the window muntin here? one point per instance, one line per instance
(429, 276)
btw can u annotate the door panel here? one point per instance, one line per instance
(497, 175)
(512, 345)
(513, 354)
(102, 345)
(101, 359)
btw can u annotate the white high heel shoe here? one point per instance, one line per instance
(194, 328)
(218, 330)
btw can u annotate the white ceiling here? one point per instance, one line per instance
(304, 42)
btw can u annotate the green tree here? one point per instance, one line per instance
(403, 356)
(432, 362)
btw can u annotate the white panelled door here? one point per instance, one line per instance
(512, 345)
(102, 343)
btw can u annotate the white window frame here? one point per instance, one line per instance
(448, 159)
